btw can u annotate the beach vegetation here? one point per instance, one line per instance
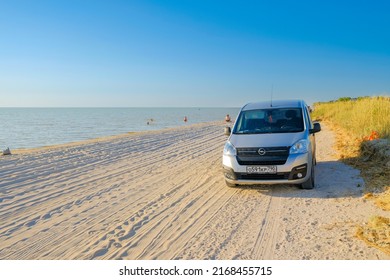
(376, 233)
(360, 116)
(362, 130)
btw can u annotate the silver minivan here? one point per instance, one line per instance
(271, 143)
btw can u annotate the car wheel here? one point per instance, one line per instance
(310, 183)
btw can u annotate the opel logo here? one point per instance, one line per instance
(261, 151)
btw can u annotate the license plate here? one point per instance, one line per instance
(271, 169)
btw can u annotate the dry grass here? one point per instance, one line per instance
(360, 117)
(376, 233)
(356, 124)
(381, 200)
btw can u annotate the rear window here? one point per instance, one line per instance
(281, 120)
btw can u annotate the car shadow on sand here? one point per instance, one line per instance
(334, 179)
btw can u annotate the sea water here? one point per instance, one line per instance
(37, 127)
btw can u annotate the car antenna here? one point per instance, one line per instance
(272, 92)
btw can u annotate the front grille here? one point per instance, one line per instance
(272, 156)
(261, 162)
(278, 176)
(269, 150)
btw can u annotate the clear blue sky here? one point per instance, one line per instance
(191, 53)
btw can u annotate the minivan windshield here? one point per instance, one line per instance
(271, 120)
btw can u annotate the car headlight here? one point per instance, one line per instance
(299, 147)
(229, 149)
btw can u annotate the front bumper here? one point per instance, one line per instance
(296, 170)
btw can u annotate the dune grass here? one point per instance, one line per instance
(359, 117)
(362, 129)
(356, 123)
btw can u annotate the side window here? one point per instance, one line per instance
(239, 122)
(308, 118)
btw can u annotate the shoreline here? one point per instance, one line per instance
(45, 127)
(21, 151)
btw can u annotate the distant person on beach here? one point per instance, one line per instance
(185, 119)
(227, 118)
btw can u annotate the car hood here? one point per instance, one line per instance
(265, 140)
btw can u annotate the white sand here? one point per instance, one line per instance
(161, 195)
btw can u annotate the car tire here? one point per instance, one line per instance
(310, 183)
(230, 185)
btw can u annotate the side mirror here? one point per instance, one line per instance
(316, 128)
(227, 131)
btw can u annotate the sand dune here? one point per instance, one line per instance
(161, 195)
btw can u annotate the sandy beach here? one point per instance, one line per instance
(161, 195)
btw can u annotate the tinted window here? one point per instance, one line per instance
(272, 120)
